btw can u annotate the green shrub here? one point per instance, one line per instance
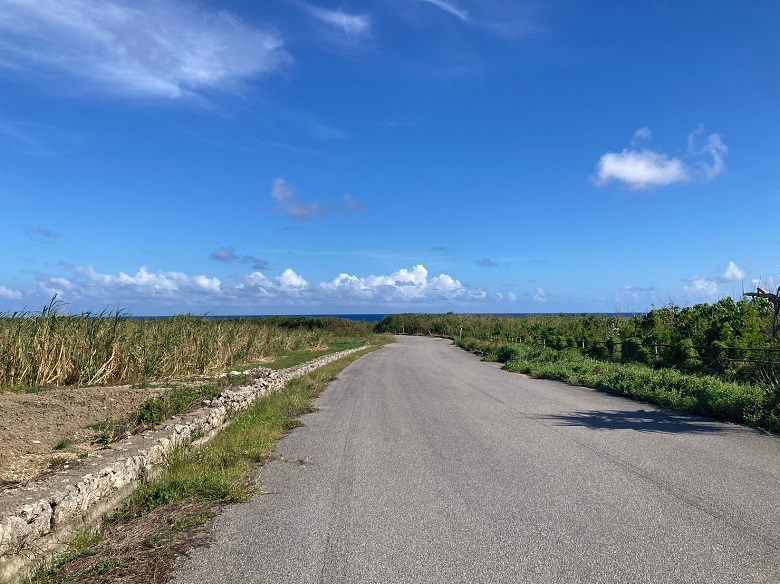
(632, 351)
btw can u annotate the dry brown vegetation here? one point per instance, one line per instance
(47, 348)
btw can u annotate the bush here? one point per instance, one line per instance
(632, 351)
(704, 395)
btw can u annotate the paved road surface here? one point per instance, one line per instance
(426, 465)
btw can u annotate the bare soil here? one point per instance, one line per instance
(51, 428)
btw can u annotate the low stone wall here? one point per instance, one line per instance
(37, 521)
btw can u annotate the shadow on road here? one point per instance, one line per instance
(641, 421)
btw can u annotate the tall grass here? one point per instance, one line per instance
(49, 348)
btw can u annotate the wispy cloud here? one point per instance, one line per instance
(450, 9)
(164, 48)
(228, 255)
(18, 134)
(642, 168)
(487, 263)
(714, 147)
(39, 233)
(288, 203)
(349, 24)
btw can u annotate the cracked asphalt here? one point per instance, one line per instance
(424, 464)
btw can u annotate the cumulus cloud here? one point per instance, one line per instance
(733, 273)
(288, 203)
(406, 287)
(701, 288)
(9, 294)
(450, 9)
(642, 168)
(291, 281)
(164, 48)
(636, 295)
(541, 295)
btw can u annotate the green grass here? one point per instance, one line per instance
(218, 473)
(698, 394)
(64, 444)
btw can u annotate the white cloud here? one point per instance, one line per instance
(405, 287)
(636, 295)
(88, 284)
(640, 169)
(163, 48)
(714, 147)
(449, 8)
(702, 288)
(733, 273)
(418, 276)
(290, 280)
(350, 24)
(9, 294)
(541, 295)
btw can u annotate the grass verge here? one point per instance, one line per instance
(140, 542)
(697, 394)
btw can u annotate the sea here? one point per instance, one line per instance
(378, 317)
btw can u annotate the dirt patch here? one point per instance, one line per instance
(51, 428)
(141, 549)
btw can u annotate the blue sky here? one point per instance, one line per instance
(385, 156)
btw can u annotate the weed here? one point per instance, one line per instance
(57, 463)
(64, 444)
(108, 431)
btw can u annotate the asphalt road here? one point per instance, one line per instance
(426, 465)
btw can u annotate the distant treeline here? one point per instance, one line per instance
(729, 338)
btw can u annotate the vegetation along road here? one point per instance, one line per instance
(425, 464)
